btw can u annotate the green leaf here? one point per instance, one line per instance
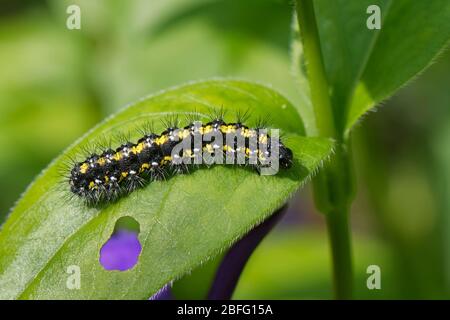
(413, 34)
(366, 66)
(184, 221)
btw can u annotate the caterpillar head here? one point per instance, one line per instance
(286, 157)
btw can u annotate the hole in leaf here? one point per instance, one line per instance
(121, 251)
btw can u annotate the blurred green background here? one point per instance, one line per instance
(56, 83)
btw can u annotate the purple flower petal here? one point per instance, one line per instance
(121, 251)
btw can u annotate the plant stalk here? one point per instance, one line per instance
(317, 79)
(333, 193)
(333, 187)
(339, 238)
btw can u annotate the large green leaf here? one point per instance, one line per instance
(183, 221)
(366, 66)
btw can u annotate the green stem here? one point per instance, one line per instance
(333, 187)
(333, 192)
(315, 68)
(339, 237)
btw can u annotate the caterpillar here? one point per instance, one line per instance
(113, 173)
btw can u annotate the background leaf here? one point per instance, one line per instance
(46, 232)
(366, 66)
(413, 33)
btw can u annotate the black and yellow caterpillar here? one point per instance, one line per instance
(107, 176)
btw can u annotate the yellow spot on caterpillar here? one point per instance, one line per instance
(229, 129)
(101, 161)
(208, 148)
(165, 160)
(83, 168)
(106, 178)
(117, 156)
(183, 133)
(248, 133)
(263, 138)
(161, 140)
(138, 149)
(261, 155)
(91, 185)
(124, 174)
(207, 129)
(144, 166)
